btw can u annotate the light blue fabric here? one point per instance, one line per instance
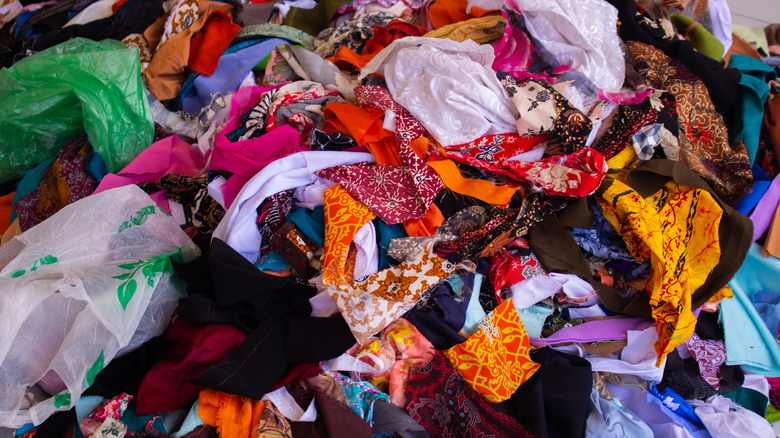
(231, 70)
(191, 421)
(754, 92)
(749, 342)
(607, 420)
(533, 319)
(474, 312)
(360, 395)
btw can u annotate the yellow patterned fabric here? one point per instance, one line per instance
(676, 229)
(344, 216)
(495, 360)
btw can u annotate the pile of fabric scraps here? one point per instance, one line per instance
(388, 218)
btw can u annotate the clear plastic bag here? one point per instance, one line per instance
(74, 87)
(88, 283)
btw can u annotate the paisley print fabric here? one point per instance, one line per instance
(703, 139)
(446, 406)
(64, 181)
(710, 354)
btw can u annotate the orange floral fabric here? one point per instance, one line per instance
(344, 216)
(676, 229)
(495, 360)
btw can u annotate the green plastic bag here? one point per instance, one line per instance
(75, 87)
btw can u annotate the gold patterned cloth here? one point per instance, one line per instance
(495, 360)
(676, 229)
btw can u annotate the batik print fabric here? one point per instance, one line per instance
(138, 41)
(501, 227)
(395, 193)
(578, 174)
(628, 120)
(543, 110)
(63, 182)
(300, 104)
(710, 354)
(359, 396)
(703, 139)
(495, 360)
(446, 406)
(514, 263)
(344, 216)
(676, 229)
(351, 34)
(202, 213)
(302, 253)
(493, 148)
(182, 14)
(370, 305)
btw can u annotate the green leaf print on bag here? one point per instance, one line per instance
(152, 270)
(62, 399)
(93, 371)
(46, 260)
(138, 218)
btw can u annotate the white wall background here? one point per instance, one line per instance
(755, 13)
